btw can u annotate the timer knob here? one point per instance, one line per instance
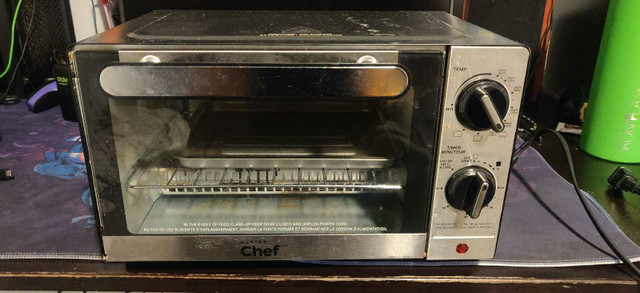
(482, 105)
(470, 189)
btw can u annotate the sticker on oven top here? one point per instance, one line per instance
(300, 31)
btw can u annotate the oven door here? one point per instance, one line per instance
(231, 155)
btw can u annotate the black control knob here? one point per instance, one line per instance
(483, 105)
(470, 189)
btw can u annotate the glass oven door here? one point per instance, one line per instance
(267, 149)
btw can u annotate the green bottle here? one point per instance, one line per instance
(612, 121)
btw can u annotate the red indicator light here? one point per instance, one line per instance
(462, 248)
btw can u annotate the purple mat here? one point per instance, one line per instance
(46, 211)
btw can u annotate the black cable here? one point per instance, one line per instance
(581, 196)
(623, 179)
(24, 49)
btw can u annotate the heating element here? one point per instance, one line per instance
(265, 181)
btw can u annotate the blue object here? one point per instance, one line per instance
(64, 165)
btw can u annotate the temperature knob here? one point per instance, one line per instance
(470, 189)
(483, 105)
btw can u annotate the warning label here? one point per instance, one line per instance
(263, 227)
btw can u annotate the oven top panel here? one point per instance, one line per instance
(165, 27)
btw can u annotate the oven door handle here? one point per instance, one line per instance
(136, 80)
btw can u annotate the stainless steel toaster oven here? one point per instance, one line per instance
(260, 135)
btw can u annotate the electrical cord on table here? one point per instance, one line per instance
(581, 196)
(24, 49)
(623, 179)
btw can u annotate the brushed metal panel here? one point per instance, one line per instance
(276, 247)
(460, 147)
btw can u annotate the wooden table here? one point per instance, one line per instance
(295, 277)
(291, 277)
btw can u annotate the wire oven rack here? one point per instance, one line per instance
(180, 180)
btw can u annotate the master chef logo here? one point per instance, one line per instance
(259, 248)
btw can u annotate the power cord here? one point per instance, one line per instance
(623, 179)
(581, 196)
(13, 35)
(15, 70)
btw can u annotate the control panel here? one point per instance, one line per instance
(482, 98)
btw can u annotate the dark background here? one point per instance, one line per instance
(575, 36)
(50, 30)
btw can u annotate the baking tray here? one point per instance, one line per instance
(284, 140)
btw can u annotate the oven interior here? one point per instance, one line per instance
(263, 166)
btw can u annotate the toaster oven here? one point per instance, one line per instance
(263, 135)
